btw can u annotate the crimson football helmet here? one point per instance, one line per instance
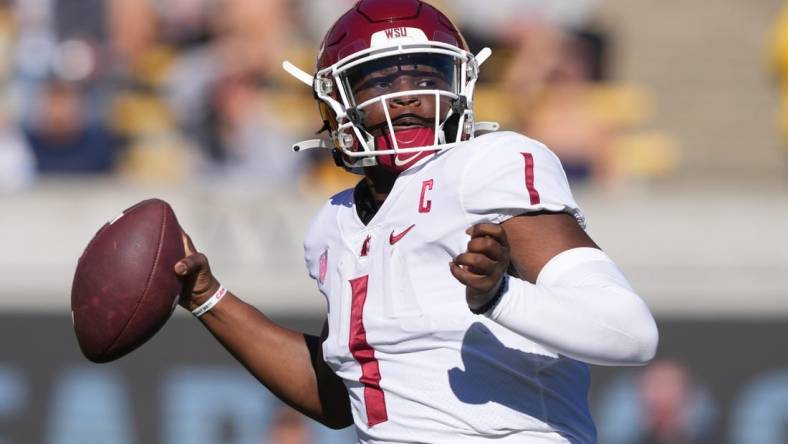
(379, 35)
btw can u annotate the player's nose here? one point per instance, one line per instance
(405, 83)
(409, 100)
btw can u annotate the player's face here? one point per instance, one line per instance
(397, 75)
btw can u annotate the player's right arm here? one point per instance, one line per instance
(287, 362)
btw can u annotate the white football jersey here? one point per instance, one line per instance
(418, 365)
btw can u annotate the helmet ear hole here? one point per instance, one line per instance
(450, 128)
(356, 116)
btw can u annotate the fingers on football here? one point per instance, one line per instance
(194, 261)
(191, 264)
(188, 245)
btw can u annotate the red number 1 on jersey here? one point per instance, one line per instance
(374, 398)
(529, 178)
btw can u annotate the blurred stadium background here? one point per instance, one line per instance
(671, 118)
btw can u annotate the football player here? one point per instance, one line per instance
(464, 296)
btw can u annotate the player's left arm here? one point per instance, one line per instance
(569, 295)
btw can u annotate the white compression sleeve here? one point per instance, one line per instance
(582, 307)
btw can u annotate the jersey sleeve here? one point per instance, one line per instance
(310, 251)
(514, 175)
(310, 259)
(321, 233)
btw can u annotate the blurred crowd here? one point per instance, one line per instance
(176, 90)
(662, 403)
(778, 64)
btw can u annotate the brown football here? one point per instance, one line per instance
(125, 288)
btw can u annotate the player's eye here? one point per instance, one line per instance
(381, 84)
(427, 83)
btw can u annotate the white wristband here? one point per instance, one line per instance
(209, 304)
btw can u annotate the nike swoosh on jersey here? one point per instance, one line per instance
(393, 239)
(397, 162)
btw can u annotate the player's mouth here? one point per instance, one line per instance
(411, 130)
(408, 121)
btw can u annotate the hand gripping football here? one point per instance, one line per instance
(125, 288)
